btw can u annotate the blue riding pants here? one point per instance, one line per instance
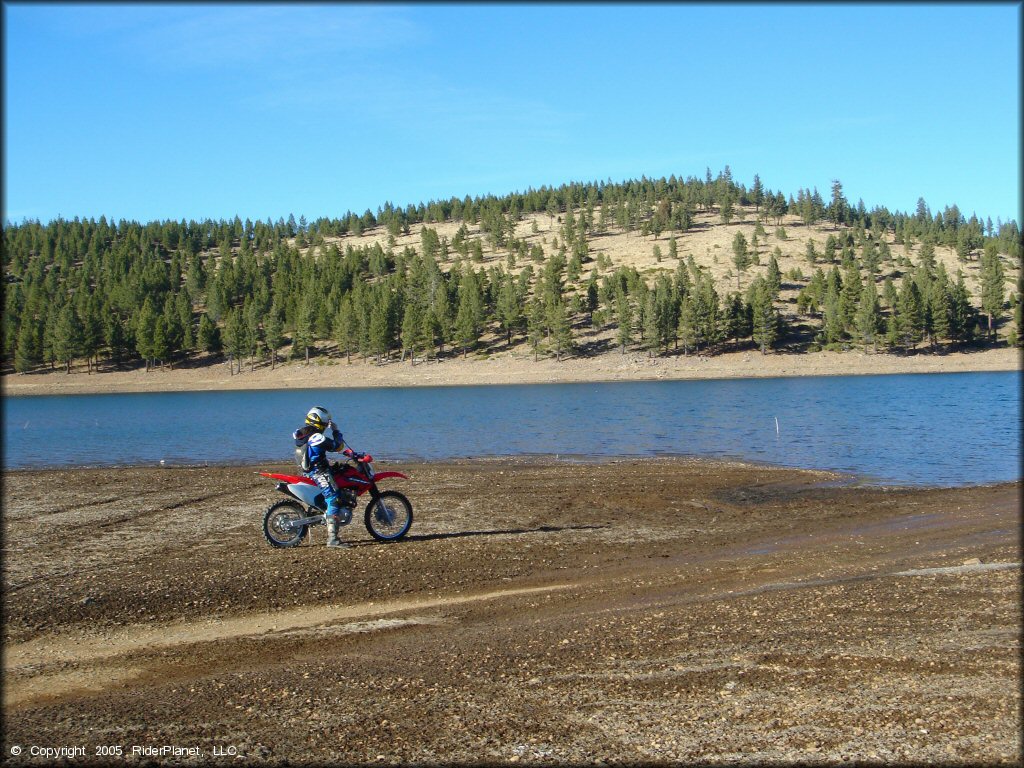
(325, 481)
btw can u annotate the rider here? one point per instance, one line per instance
(317, 467)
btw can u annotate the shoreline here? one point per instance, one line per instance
(825, 479)
(505, 369)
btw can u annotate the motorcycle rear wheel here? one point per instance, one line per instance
(274, 519)
(389, 516)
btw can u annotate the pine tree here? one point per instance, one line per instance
(510, 310)
(344, 328)
(726, 209)
(774, 275)
(910, 314)
(381, 324)
(838, 208)
(274, 335)
(561, 330)
(303, 338)
(961, 312)
(832, 321)
(765, 316)
(849, 295)
(687, 327)
(707, 313)
(161, 347)
(992, 287)
(234, 338)
(208, 336)
(29, 350)
(67, 337)
(868, 320)
(412, 328)
(624, 315)
(145, 328)
(469, 318)
(115, 337)
(650, 321)
(941, 309)
(536, 322)
(740, 256)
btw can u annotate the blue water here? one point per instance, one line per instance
(932, 429)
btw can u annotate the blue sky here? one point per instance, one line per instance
(207, 110)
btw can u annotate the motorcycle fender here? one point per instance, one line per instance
(307, 493)
(386, 475)
(287, 478)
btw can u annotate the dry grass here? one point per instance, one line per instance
(708, 241)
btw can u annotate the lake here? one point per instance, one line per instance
(923, 429)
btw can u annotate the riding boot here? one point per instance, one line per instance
(332, 533)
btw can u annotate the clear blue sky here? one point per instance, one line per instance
(204, 110)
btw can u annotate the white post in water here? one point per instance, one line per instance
(776, 426)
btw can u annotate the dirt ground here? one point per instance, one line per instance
(539, 612)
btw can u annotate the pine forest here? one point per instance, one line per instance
(660, 267)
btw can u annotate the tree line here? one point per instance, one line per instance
(163, 291)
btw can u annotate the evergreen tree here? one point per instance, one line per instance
(849, 295)
(740, 256)
(765, 316)
(29, 350)
(510, 309)
(941, 309)
(624, 315)
(67, 337)
(92, 330)
(910, 314)
(650, 321)
(412, 329)
(274, 335)
(160, 348)
(469, 317)
(726, 210)
(116, 338)
(832, 321)
(961, 313)
(381, 324)
(992, 287)
(345, 328)
(868, 320)
(208, 335)
(304, 322)
(561, 330)
(145, 330)
(234, 338)
(707, 313)
(536, 322)
(774, 275)
(686, 330)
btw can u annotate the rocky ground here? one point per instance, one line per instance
(539, 612)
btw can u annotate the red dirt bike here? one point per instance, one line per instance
(388, 516)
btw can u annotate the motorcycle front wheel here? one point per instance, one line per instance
(389, 516)
(277, 528)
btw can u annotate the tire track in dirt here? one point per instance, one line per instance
(94, 650)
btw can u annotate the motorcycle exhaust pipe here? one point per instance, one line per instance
(344, 518)
(302, 521)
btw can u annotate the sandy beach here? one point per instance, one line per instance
(504, 368)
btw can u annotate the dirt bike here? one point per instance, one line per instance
(388, 516)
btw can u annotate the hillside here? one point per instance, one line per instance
(590, 276)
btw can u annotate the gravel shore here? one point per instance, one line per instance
(540, 612)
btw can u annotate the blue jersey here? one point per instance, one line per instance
(318, 446)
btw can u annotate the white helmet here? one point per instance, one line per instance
(318, 417)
